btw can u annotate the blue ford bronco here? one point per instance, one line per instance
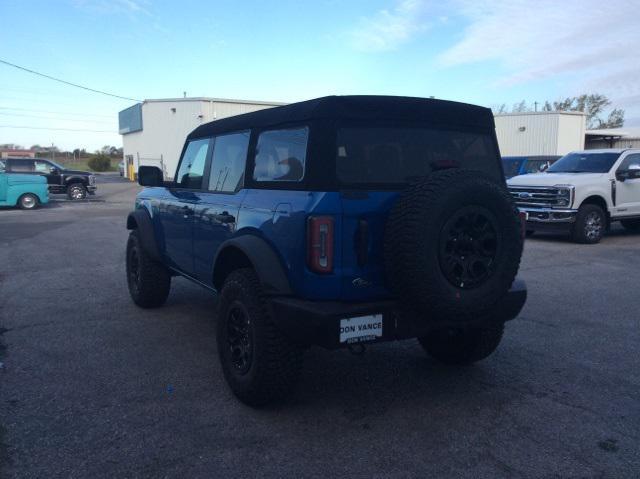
(336, 222)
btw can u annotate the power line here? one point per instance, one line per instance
(66, 82)
(71, 113)
(57, 118)
(57, 129)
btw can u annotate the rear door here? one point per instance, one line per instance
(374, 164)
(216, 213)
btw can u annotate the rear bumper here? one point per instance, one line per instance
(318, 322)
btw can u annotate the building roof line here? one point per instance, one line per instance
(524, 113)
(214, 100)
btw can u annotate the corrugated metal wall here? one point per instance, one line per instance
(619, 143)
(548, 133)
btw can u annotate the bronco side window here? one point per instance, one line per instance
(281, 155)
(229, 158)
(192, 165)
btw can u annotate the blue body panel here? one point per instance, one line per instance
(13, 186)
(189, 243)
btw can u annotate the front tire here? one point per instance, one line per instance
(76, 191)
(259, 363)
(590, 225)
(149, 281)
(631, 225)
(462, 346)
(28, 201)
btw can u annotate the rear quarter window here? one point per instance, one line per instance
(281, 155)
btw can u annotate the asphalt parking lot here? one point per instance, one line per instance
(91, 386)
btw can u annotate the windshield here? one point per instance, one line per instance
(584, 163)
(56, 165)
(395, 155)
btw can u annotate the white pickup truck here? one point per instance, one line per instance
(582, 193)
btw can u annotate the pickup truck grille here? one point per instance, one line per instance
(540, 196)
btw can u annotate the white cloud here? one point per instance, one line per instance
(388, 29)
(130, 7)
(594, 42)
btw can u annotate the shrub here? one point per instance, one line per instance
(99, 162)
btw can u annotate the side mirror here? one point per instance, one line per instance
(54, 170)
(631, 173)
(150, 176)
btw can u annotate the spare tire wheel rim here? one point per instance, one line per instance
(469, 247)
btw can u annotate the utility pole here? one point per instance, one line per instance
(53, 154)
(535, 105)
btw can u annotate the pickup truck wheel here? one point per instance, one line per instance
(631, 225)
(259, 363)
(453, 244)
(590, 224)
(460, 347)
(149, 281)
(28, 201)
(76, 191)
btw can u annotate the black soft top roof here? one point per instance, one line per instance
(361, 107)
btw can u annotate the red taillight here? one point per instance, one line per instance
(320, 244)
(523, 223)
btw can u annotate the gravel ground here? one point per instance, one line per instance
(91, 386)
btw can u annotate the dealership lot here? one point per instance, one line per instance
(90, 385)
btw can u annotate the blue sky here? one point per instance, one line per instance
(488, 53)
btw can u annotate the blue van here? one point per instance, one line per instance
(523, 165)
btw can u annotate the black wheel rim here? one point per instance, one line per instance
(134, 269)
(469, 247)
(239, 338)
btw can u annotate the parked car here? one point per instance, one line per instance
(582, 194)
(335, 222)
(121, 168)
(75, 184)
(24, 191)
(524, 165)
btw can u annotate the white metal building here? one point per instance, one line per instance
(153, 132)
(540, 133)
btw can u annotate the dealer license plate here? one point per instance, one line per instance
(362, 328)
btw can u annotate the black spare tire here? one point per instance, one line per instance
(453, 244)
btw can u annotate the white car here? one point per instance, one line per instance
(582, 193)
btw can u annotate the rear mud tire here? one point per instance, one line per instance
(259, 363)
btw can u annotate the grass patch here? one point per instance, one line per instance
(82, 164)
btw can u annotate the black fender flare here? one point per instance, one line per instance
(141, 221)
(263, 259)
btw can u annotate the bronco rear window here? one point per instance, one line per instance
(395, 155)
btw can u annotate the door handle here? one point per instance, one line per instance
(186, 212)
(225, 217)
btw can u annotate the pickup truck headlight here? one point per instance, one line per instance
(565, 195)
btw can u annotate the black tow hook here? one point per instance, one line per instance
(357, 349)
